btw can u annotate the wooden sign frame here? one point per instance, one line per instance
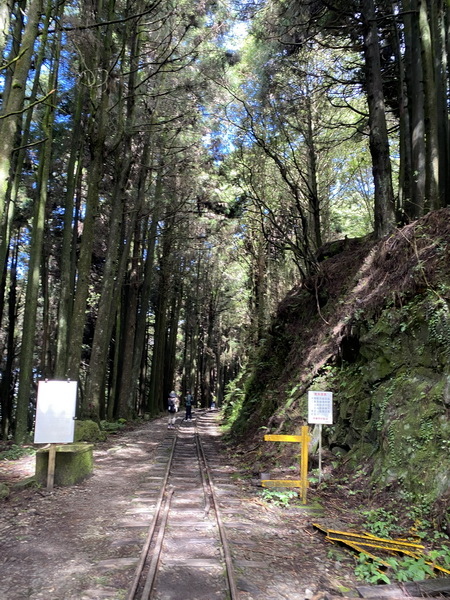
(55, 419)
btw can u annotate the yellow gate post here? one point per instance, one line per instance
(304, 461)
(303, 440)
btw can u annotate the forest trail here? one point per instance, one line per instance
(83, 542)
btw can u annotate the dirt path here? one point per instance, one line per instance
(83, 542)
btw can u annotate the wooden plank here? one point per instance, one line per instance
(441, 585)
(380, 591)
(415, 589)
(51, 467)
(328, 596)
(378, 597)
(282, 438)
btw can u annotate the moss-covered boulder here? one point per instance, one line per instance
(73, 463)
(88, 431)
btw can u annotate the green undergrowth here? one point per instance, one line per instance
(380, 522)
(15, 452)
(282, 498)
(401, 569)
(113, 426)
(388, 524)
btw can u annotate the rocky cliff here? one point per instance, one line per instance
(373, 327)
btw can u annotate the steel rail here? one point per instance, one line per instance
(234, 594)
(151, 575)
(205, 484)
(159, 522)
(144, 552)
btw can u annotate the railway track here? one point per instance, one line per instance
(186, 553)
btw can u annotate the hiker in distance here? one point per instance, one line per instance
(172, 407)
(188, 401)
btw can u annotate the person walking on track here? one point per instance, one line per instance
(172, 407)
(188, 400)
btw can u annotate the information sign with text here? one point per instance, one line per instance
(320, 407)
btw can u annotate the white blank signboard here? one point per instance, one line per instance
(55, 412)
(320, 407)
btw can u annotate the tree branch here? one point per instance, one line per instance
(21, 111)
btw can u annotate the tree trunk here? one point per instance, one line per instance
(405, 157)
(117, 256)
(134, 345)
(313, 193)
(155, 401)
(5, 14)
(12, 107)
(438, 32)
(156, 398)
(413, 76)
(19, 156)
(31, 302)
(431, 120)
(260, 287)
(378, 140)
(6, 385)
(68, 242)
(172, 333)
(99, 97)
(112, 280)
(36, 253)
(414, 80)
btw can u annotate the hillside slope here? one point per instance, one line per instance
(373, 328)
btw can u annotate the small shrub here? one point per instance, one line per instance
(370, 570)
(279, 497)
(409, 569)
(16, 452)
(380, 522)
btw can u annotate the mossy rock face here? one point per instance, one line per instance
(393, 404)
(4, 491)
(400, 338)
(88, 431)
(73, 463)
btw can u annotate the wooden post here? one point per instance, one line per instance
(51, 467)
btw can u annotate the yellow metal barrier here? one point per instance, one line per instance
(361, 541)
(302, 483)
